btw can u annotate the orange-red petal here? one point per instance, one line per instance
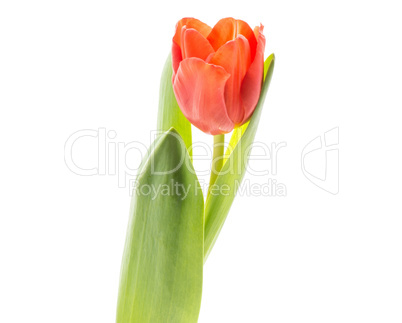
(176, 57)
(196, 24)
(193, 23)
(194, 44)
(228, 29)
(251, 87)
(235, 58)
(199, 89)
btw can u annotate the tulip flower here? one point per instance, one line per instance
(217, 72)
(217, 78)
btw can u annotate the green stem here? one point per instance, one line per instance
(217, 160)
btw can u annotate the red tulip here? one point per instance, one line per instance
(217, 72)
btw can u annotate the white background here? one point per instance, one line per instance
(308, 257)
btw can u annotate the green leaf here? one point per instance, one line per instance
(162, 267)
(234, 168)
(169, 113)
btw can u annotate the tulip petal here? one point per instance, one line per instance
(228, 29)
(194, 44)
(251, 87)
(193, 23)
(199, 88)
(234, 57)
(176, 57)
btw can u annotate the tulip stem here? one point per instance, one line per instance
(217, 159)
